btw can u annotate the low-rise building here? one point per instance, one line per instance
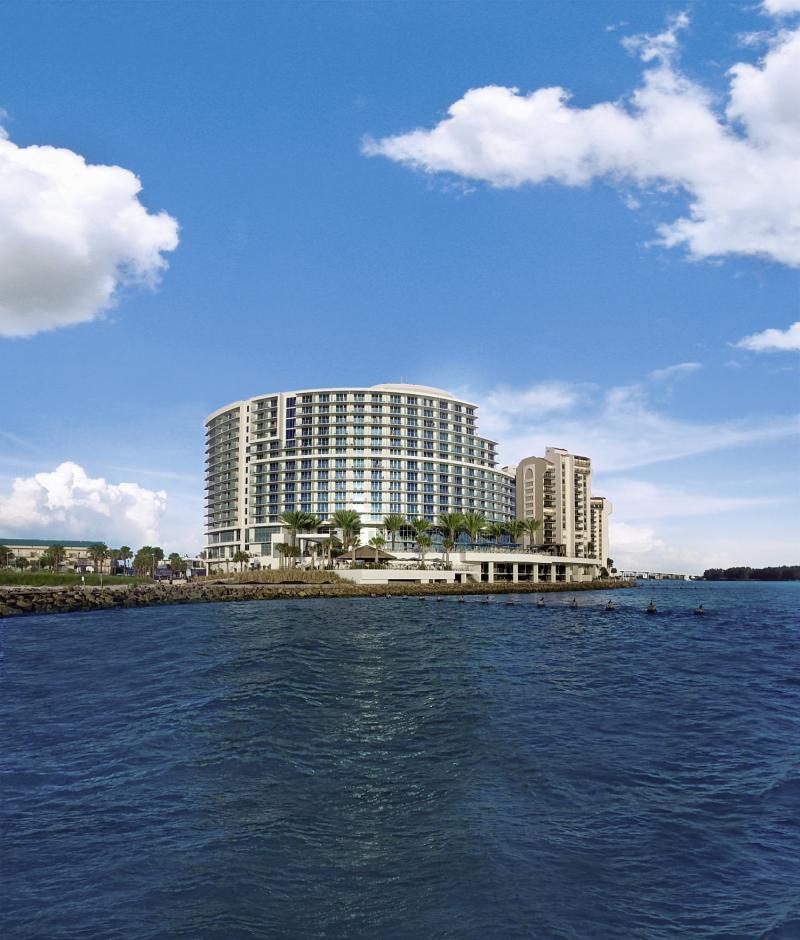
(76, 553)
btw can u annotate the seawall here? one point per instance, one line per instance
(15, 601)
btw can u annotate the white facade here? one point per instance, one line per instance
(379, 450)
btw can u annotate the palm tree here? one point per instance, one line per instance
(57, 554)
(124, 554)
(516, 529)
(453, 524)
(21, 562)
(296, 522)
(239, 558)
(421, 529)
(474, 524)
(393, 524)
(5, 554)
(448, 545)
(349, 521)
(494, 530)
(377, 542)
(284, 549)
(312, 525)
(531, 528)
(98, 552)
(423, 544)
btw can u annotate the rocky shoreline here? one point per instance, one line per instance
(16, 601)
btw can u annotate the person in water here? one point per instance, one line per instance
(651, 608)
(540, 602)
(699, 610)
(573, 602)
(611, 606)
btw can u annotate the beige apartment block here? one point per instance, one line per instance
(557, 489)
(600, 512)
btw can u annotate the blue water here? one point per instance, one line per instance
(405, 768)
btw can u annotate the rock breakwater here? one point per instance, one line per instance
(15, 601)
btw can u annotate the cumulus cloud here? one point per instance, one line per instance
(738, 170)
(787, 340)
(67, 503)
(781, 7)
(71, 234)
(621, 429)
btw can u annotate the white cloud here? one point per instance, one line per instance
(781, 7)
(620, 429)
(503, 407)
(67, 503)
(739, 171)
(787, 340)
(71, 234)
(679, 371)
(637, 500)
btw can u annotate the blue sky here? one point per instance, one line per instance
(318, 243)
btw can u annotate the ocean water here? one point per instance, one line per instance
(405, 768)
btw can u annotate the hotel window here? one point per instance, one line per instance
(359, 396)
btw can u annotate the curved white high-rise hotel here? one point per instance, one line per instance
(384, 449)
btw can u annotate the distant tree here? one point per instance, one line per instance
(98, 552)
(296, 522)
(448, 545)
(531, 528)
(392, 524)
(423, 544)
(5, 556)
(745, 573)
(57, 554)
(349, 521)
(241, 558)
(21, 562)
(516, 529)
(124, 554)
(474, 524)
(377, 542)
(177, 565)
(147, 558)
(494, 530)
(452, 523)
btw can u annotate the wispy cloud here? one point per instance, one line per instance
(772, 340)
(738, 170)
(620, 428)
(638, 500)
(678, 371)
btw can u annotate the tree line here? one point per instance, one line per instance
(104, 559)
(746, 573)
(450, 525)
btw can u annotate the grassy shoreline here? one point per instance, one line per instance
(10, 578)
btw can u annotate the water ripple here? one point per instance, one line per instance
(383, 768)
